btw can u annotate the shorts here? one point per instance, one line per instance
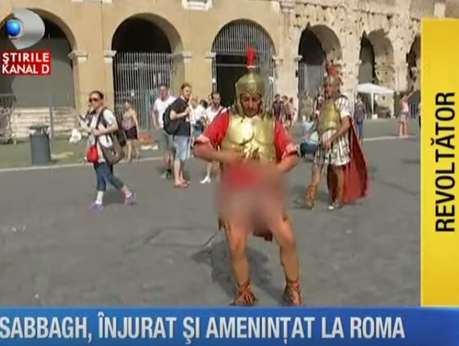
(181, 146)
(164, 141)
(403, 117)
(198, 129)
(131, 134)
(307, 149)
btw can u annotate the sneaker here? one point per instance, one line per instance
(206, 180)
(130, 200)
(97, 207)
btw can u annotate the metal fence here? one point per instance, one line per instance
(137, 77)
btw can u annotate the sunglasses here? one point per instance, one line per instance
(94, 99)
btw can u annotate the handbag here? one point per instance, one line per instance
(114, 153)
(92, 155)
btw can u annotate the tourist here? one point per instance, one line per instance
(180, 114)
(404, 115)
(131, 129)
(360, 114)
(102, 128)
(212, 112)
(162, 138)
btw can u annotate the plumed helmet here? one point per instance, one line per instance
(250, 83)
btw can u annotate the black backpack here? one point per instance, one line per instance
(119, 133)
(170, 126)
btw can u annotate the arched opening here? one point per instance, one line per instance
(367, 71)
(383, 53)
(143, 62)
(376, 66)
(230, 63)
(56, 90)
(317, 45)
(413, 60)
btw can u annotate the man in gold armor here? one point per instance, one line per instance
(339, 150)
(255, 153)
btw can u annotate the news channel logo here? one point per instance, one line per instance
(25, 29)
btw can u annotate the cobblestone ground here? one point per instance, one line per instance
(166, 250)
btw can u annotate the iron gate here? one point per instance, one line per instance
(310, 78)
(136, 77)
(230, 63)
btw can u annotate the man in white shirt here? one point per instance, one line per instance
(213, 111)
(162, 138)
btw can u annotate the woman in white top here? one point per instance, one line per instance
(213, 111)
(404, 115)
(102, 126)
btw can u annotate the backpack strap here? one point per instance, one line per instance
(101, 119)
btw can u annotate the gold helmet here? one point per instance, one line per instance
(250, 83)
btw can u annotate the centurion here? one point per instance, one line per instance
(255, 153)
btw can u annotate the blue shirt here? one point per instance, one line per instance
(314, 139)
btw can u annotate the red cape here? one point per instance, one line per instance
(356, 175)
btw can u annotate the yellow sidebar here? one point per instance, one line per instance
(440, 100)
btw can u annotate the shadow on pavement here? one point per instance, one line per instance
(218, 258)
(411, 161)
(113, 196)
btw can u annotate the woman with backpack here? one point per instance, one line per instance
(105, 150)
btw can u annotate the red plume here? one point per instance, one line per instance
(251, 57)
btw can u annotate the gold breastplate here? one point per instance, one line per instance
(329, 118)
(255, 136)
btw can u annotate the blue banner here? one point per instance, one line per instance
(229, 326)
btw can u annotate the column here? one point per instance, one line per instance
(286, 63)
(79, 59)
(180, 70)
(108, 78)
(401, 76)
(211, 68)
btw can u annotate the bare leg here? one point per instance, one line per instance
(208, 177)
(277, 222)
(236, 231)
(129, 150)
(136, 147)
(311, 192)
(178, 172)
(338, 194)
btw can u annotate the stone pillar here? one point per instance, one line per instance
(350, 76)
(385, 74)
(80, 70)
(210, 60)
(108, 78)
(285, 64)
(181, 70)
(401, 76)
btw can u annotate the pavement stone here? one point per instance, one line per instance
(166, 250)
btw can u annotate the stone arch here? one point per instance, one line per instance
(413, 60)
(163, 29)
(383, 52)
(147, 51)
(57, 90)
(318, 43)
(367, 72)
(230, 63)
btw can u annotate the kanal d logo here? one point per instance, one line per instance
(25, 29)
